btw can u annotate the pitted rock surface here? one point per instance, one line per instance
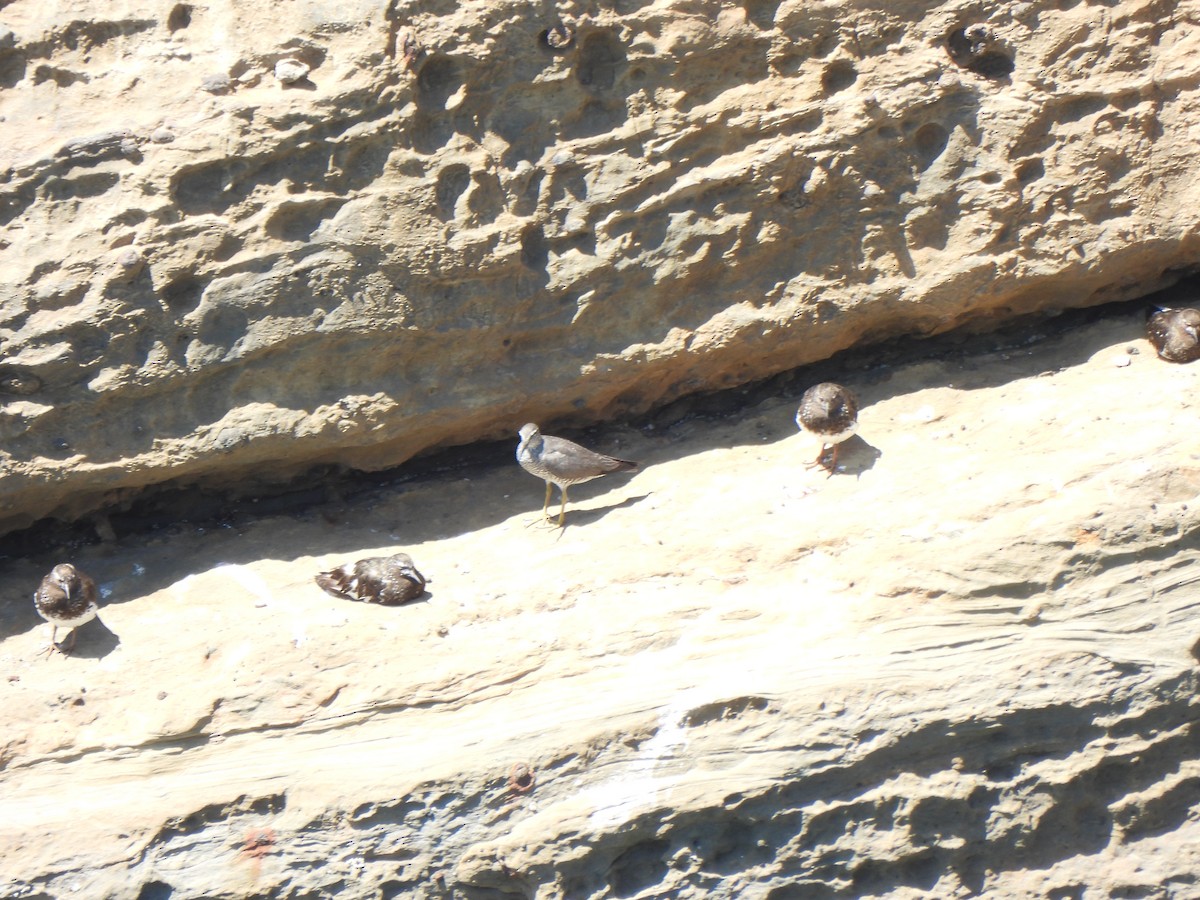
(467, 216)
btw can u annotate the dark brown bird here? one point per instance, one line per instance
(379, 579)
(66, 598)
(829, 411)
(558, 461)
(1175, 334)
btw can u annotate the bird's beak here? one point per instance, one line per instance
(67, 590)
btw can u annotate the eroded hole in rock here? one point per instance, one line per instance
(486, 199)
(298, 221)
(202, 189)
(978, 49)
(224, 326)
(601, 58)
(451, 182)
(439, 79)
(180, 17)
(732, 846)
(183, 294)
(1030, 170)
(761, 13)
(593, 118)
(155, 890)
(60, 77)
(790, 892)
(727, 709)
(641, 866)
(930, 142)
(535, 252)
(12, 68)
(82, 187)
(18, 382)
(838, 76)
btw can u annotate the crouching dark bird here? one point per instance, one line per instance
(830, 412)
(66, 598)
(1175, 334)
(558, 461)
(389, 580)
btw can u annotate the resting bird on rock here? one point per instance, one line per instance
(558, 461)
(388, 580)
(829, 411)
(1175, 334)
(66, 598)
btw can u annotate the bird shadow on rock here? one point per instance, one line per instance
(857, 456)
(95, 640)
(587, 516)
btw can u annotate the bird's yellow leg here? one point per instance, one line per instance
(546, 505)
(562, 510)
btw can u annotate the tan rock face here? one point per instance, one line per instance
(961, 666)
(238, 242)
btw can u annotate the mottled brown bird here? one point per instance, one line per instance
(379, 579)
(66, 598)
(560, 462)
(829, 411)
(1175, 334)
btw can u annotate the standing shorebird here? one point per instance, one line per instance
(379, 579)
(1175, 334)
(830, 412)
(558, 461)
(66, 598)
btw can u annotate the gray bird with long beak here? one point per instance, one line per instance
(558, 461)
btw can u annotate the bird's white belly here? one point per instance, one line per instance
(65, 622)
(838, 437)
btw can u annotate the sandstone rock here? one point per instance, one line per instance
(960, 667)
(475, 227)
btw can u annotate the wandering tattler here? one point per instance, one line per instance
(829, 411)
(558, 461)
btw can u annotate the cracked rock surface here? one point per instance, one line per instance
(238, 244)
(961, 666)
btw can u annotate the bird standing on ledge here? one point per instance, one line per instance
(66, 598)
(379, 579)
(1175, 334)
(558, 461)
(829, 411)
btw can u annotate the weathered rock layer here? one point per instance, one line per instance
(960, 667)
(239, 241)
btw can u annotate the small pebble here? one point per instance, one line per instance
(216, 84)
(162, 136)
(1121, 360)
(289, 71)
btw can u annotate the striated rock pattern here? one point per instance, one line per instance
(963, 668)
(238, 241)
